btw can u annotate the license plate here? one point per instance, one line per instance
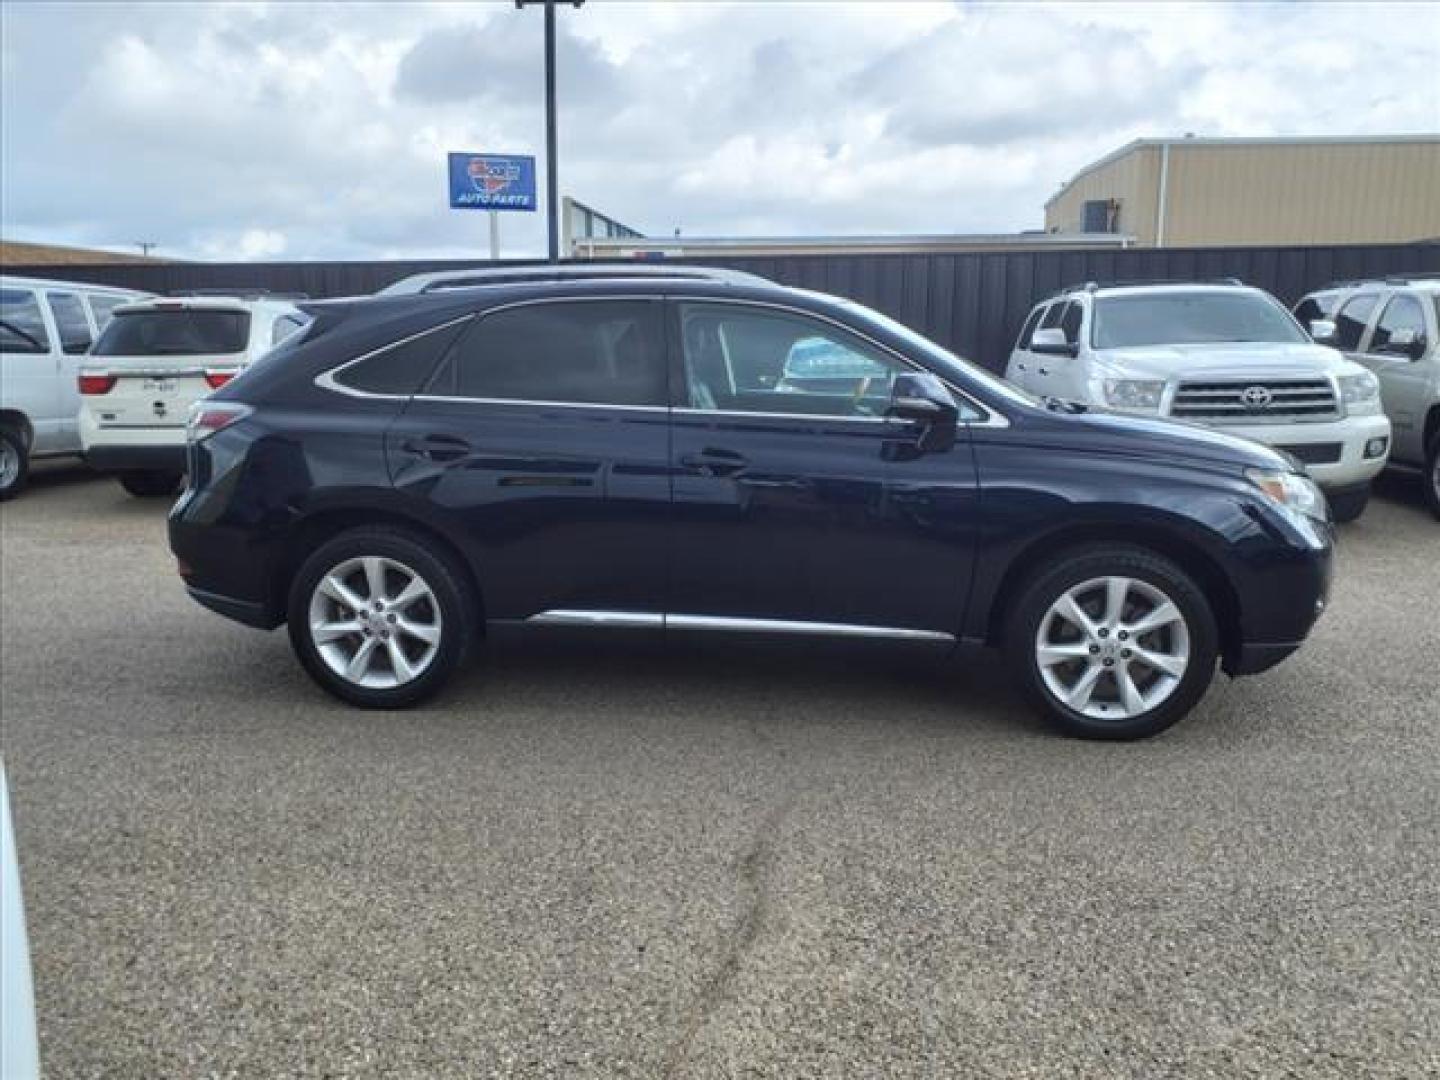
(159, 386)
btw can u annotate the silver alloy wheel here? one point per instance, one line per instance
(1113, 648)
(1435, 478)
(9, 465)
(375, 622)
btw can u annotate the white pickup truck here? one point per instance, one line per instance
(1220, 354)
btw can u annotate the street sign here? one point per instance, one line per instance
(492, 182)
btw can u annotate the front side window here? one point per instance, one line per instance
(22, 327)
(1350, 323)
(1314, 307)
(1070, 321)
(176, 332)
(584, 352)
(1402, 313)
(755, 360)
(70, 323)
(1190, 318)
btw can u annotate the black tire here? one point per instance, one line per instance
(1431, 479)
(1081, 565)
(151, 483)
(1349, 506)
(13, 478)
(455, 611)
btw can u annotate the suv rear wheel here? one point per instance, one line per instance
(1113, 642)
(378, 619)
(14, 463)
(151, 483)
(1432, 476)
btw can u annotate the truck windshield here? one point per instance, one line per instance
(1194, 318)
(182, 332)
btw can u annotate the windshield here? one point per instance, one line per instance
(945, 361)
(1181, 318)
(181, 332)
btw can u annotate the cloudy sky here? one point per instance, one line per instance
(286, 130)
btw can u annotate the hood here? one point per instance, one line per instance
(1242, 359)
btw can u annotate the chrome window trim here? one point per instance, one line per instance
(326, 379)
(652, 620)
(989, 415)
(457, 400)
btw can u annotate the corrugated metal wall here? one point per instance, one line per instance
(972, 303)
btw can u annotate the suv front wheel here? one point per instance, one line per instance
(1113, 642)
(1432, 476)
(379, 619)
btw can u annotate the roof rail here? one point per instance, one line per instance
(1121, 283)
(511, 275)
(241, 294)
(1382, 279)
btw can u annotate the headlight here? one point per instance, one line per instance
(1358, 389)
(1292, 492)
(1142, 395)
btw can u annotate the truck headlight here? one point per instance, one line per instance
(1140, 395)
(1292, 492)
(1359, 389)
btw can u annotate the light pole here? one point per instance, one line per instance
(552, 182)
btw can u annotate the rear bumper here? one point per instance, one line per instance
(242, 611)
(123, 458)
(1254, 658)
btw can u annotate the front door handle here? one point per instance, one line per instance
(437, 447)
(714, 462)
(1044, 371)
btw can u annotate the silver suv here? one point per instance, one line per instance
(1392, 327)
(1216, 353)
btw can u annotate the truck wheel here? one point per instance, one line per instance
(1349, 505)
(1432, 477)
(151, 483)
(1113, 642)
(14, 463)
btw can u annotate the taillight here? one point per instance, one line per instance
(96, 384)
(208, 417)
(217, 379)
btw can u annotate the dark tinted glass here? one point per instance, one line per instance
(1350, 323)
(1176, 318)
(1028, 330)
(70, 322)
(22, 327)
(594, 352)
(101, 306)
(402, 368)
(174, 333)
(1402, 313)
(1052, 315)
(1070, 321)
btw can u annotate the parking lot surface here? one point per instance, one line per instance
(623, 857)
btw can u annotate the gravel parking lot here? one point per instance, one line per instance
(619, 857)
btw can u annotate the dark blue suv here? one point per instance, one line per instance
(630, 450)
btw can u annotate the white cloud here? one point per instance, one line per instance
(285, 129)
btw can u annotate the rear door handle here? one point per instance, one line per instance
(438, 447)
(1044, 371)
(714, 462)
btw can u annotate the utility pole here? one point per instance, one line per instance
(552, 172)
(146, 246)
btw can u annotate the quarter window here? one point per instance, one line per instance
(70, 322)
(284, 326)
(1351, 321)
(401, 368)
(1402, 313)
(749, 360)
(102, 305)
(22, 327)
(592, 352)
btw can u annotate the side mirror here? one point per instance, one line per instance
(1406, 342)
(1051, 342)
(922, 397)
(1322, 331)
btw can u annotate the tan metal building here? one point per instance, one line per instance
(1257, 192)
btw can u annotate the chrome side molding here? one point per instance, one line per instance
(652, 621)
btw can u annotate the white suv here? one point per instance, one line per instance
(155, 360)
(45, 328)
(1392, 327)
(1220, 354)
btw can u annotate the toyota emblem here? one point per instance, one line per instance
(1256, 397)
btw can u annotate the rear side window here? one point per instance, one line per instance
(22, 327)
(401, 368)
(1028, 330)
(1402, 313)
(102, 305)
(1350, 322)
(178, 332)
(70, 322)
(593, 352)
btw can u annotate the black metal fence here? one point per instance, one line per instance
(972, 303)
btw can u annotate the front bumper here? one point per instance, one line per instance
(1353, 469)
